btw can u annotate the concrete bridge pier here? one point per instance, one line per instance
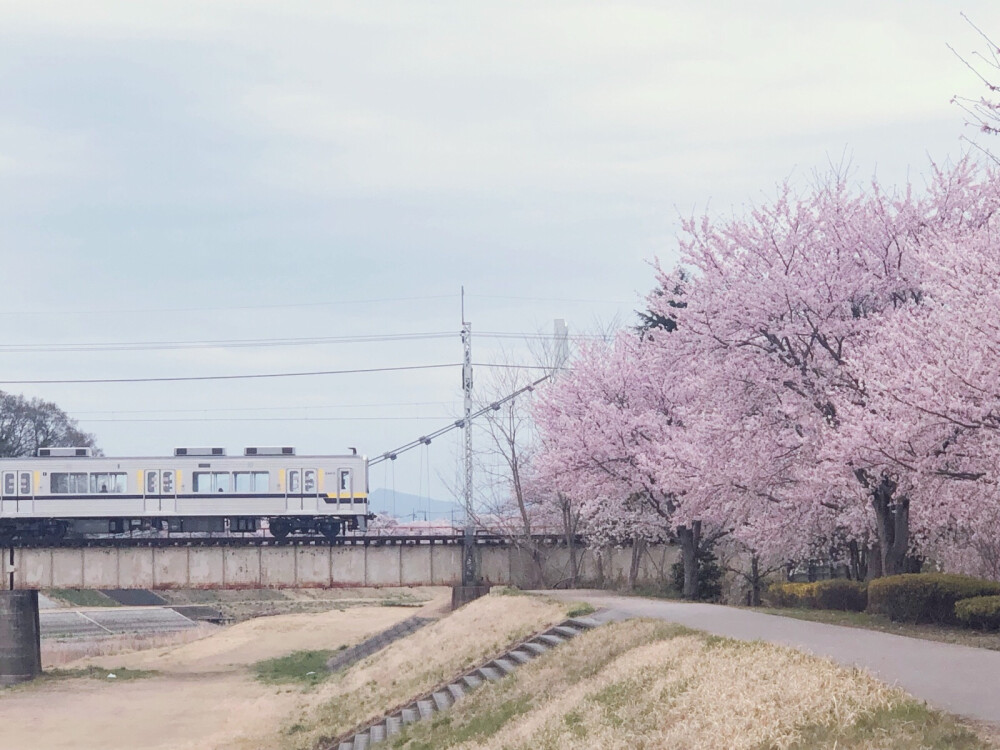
(20, 637)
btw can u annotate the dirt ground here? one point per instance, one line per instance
(202, 697)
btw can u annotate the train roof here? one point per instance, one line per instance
(192, 457)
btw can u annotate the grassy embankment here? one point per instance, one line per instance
(414, 665)
(644, 684)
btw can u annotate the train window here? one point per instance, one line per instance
(345, 480)
(25, 483)
(113, 482)
(309, 481)
(151, 482)
(211, 481)
(251, 481)
(62, 483)
(168, 483)
(9, 485)
(293, 481)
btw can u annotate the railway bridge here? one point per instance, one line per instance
(257, 562)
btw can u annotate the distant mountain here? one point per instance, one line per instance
(405, 506)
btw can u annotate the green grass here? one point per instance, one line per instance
(121, 674)
(911, 725)
(82, 597)
(300, 667)
(658, 591)
(507, 591)
(941, 633)
(581, 610)
(401, 600)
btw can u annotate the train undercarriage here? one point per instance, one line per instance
(279, 527)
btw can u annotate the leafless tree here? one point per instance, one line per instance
(29, 424)
(983, 112)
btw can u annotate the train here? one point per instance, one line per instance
(71, 492)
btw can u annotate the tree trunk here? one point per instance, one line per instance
(755, 581)
(860, 556)
(638, 547)
(570, 532)
(874, 569)
(690, 538)
(892, 523)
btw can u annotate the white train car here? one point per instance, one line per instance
(69, 491)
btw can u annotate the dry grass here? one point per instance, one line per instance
(236, 647)
(642, 684)
(201, 694)
(438, 651)
(56, 653)
(237, 605)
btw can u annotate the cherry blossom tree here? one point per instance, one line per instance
(934, 382)
(822, 374)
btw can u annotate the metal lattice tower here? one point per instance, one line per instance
(469, 576)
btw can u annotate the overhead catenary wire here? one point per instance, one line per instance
(319, 303)
(258, 419)
(263, 375)
(457, 424)
(130, 346)
(255, 376)
(323, 303)
(311, 407)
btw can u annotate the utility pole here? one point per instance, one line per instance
(561, 337)
(469, 573)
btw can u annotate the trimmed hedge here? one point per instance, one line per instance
(925, 597)
(838, 593)
(981, 612)
(788, 595)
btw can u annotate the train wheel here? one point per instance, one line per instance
(329, 529)
(279, 528)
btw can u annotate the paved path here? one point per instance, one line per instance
(959, 679)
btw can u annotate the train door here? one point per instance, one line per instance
(168, 491)
(25, 492)
(8, 499)
(293, 491)
(301, 491)
(345, 486)
(310, 490)
(151, 491)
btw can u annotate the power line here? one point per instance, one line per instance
(551, 299)
(265, 375)
(106, 346)
(325, 303)
(262, 408)
(259, 376)
(221, 343)
(261, 419)
(456, 425)
(505, 366)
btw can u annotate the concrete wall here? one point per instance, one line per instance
(319, 567)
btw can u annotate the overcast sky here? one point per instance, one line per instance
(215, 171)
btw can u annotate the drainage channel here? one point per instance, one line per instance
(444, 696)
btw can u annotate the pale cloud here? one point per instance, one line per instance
(229, 152)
